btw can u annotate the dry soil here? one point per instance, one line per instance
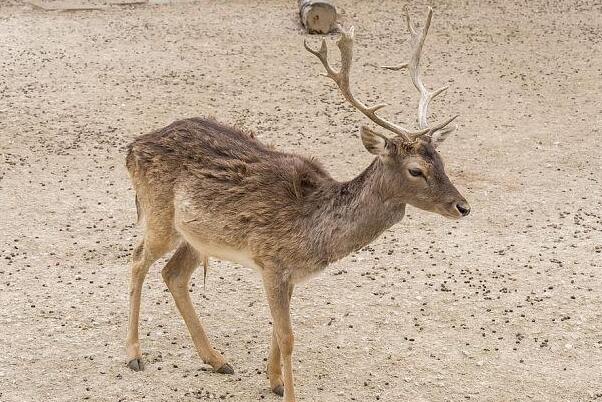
(502, 306)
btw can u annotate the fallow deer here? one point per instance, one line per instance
(209, 190)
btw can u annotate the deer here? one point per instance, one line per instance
(209, 190)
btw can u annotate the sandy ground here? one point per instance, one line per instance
(503, 306)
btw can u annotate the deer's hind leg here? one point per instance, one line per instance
(176, 275)
(150, 249)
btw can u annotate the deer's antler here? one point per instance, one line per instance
(341, 78)
(417, 39)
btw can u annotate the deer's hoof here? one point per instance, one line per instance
(278, 390)
(136, 364)
(225, 369)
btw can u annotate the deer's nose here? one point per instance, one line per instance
(463, 207)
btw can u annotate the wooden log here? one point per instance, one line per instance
(318, 16)
(67, 5)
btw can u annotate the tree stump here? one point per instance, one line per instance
(318, 16)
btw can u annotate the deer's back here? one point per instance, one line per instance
(191, 143)
(227, 188)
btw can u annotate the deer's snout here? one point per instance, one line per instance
(463, 207)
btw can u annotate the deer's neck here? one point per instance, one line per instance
(358, 212)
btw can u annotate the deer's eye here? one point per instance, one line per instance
(415, 172)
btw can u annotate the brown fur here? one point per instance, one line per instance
(205, 187)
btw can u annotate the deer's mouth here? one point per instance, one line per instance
(456, 211)
(454, 216)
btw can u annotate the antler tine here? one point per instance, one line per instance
(322, 54)
(417, 39)
(396, 68)
(409, 21)
(442, 127)
(341, 78)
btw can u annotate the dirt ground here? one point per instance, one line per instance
(505, 305)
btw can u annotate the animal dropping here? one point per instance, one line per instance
(209, 190)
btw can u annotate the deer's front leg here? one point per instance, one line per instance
(274, 368)
(274, 363)
(278, 293)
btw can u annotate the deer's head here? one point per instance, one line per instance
(412, 167)
(414, 172)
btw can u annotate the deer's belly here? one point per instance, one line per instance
(296, 265)
(218, 250)
(223, 252)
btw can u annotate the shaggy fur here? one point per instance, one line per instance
(228, 188)
(212, 190)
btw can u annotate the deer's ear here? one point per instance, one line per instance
(375, 143)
